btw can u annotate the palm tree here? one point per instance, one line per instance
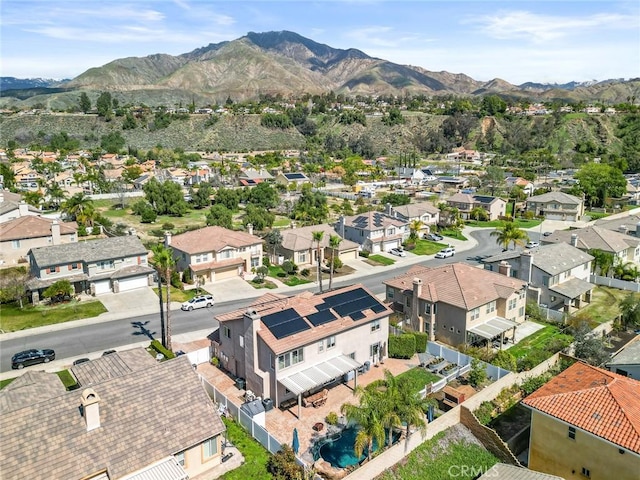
(509, 233)
(80, 208)
(414, 227)
(163, 261)
(602, 261)
(317, 237)
(367, 415)
(478, 213)
(55, 193)
(519, 237)
(274, 239)
(334, 243)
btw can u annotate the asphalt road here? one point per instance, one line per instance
(76, 341)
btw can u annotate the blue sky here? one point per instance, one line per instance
(518, 41)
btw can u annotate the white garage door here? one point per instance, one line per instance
(103, 286)
(132, 283)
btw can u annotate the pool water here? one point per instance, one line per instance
(338, 450)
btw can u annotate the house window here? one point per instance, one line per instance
(430, 308)
(241, 341)
(375, 325)
(255, 262)
(390, 294)
(521, 311)
(586, 472)
(302, 257)
(209, 448)
(74, 266)
(321, 346)
(552, 298)
(491, 307)
(572, 433)
(512, 304)
(331, 342)
(475, 313)
(225, 254)
(180, 458)
(51, 270)
(105, 265)
(391, 231)
(545, 281)
(290, 358)
(272, 361)
(226, 331)
(15, 244)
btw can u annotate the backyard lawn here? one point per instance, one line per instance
(604, 305)
(419, 377)
(14, 318)
(255, 455)
(541, 344)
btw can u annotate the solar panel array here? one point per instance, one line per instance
(323, 316)
(294, 176)
(285, 323)
(353, 303)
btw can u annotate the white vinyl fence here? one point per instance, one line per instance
(615, 283)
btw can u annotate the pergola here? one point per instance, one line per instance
(493, 328)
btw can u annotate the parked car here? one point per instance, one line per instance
(546, 234)
(434, 237)
(108, 352)
(532, 244)
(446, 252)
(398, 251)
(32, 357)
(81, 360)
(201, 301)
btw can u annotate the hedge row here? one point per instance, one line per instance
(158, 347)
(405, 345)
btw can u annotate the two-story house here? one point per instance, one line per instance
(465, 203)
(459, 304)
(425, 212)
(585, 423)
(215, 253)
(526, 185)
(557, 274)
(556, 206)
(627, 361)
(116, 264)
(13, 206)
(20, 235)
(133, 418)
(374, 231)
(298, 245)
(288, 347)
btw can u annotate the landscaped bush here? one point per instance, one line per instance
(364, 253)
(175, 280)
(158, 347)
(484, 413)
(402, 346)
(305, 272)
(332, 418)
(421, 341)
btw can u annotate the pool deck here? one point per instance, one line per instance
(280, 423)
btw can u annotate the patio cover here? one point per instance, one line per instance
(572, 288)
(493, 327)
(319, 374)
(167, 469)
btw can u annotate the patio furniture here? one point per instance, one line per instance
(318, 426)
(317, 399)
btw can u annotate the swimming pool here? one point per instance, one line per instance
(338, 449)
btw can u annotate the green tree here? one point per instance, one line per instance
(599, 181)
(264, 195)
(228, 197)
(602, 261)
(414, 229)
(164, 263)
(274, 241)
(166, 198)
(59, 291)
(589, 347)
(493, 179)
(479, 214)
(396, 199)
(334, 244)
(504, 359)
(508, 234)
(259, 217)
(367, 415)
(630, 311)
(129, 122)
(112, 142)
(80, 208)
(317, 237)
(85, 103)
(104, 105)
(13, 285)
(221, 216)
(283, 465)
(477, 374)
(311, 208)
(201, 197)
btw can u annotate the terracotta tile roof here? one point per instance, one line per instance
(212, 239)
(372, 221)
(32, 226)
(296, 239)
(199, 267)
(31, 385)
(145, 416)
(304, 304)
(597, 401)
(458, 284)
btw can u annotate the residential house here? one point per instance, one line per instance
(465, 203)
(523, 183)
(20, 235)
(459, 304)
(26, 178)
(464, 155)
(627, 361)
(288, 347)
(374, 231)
(106, 265)
(292, 178)
(629, 224)
(624, 248)
(453, 182)
(584, 424)
(298, 245)
(250, 177)
(504, 471)
(557, 274)
(132, 418)
(13, 206)
(556, 206)
(215, 253)
(424, 212)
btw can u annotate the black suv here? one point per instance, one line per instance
(32, 357)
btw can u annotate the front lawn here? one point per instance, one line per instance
(426, 247)
(419, 377)
(381, 260)
(518, 222)
(255, 455)
(14, 318)
(263, 284)
(276, 271)
(457, 234)
(178, 295)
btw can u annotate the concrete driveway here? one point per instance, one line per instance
(141, 299)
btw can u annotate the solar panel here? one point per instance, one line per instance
(289, 328)
(277, 318)
(378, 308)
(357, 316)
(323, 316)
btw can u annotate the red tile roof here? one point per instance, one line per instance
(597, 401)
(212, 239)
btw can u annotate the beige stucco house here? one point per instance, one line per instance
(425, 212)
(556, 206)
(374, 231)
(465, 203)
(298, 245)
(12, 206)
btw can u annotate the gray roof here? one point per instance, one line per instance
(145, 416)
(413, 210)
(502, 471)
(35, 384)
(11, 201)
(111, 366)
(630, 355)
(297, 239)
(629, 221)
(88, 251)
(559, 257)
(572, 288)
(559, 197)
(594, 237)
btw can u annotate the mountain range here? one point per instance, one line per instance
(287, 64)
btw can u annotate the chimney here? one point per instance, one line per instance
(526, 262)
(167, 239)
(574, 240)
(504, 268)
(91, 408)
(341, 225)
(55, 233)
(250, 228)
(389, 209)
(23, 209)
(415, 304)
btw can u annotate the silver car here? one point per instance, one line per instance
(201, 301)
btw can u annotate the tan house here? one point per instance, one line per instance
(465, 203)
(292, 178)
(585, 423)
(215, 253)
(556, 206)
(374, 231)
(131, 418)
(287, 348)
(459, 304)
(20, 235)
(13, 206)
(298, 245)
(424, 212)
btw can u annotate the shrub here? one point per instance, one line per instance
(215, 361)
(59, 291)
(477, 374)
(531, 384)
(148, 215)
(484, 413)
(402, 346)
(283, 464)
(364, 253)
(187, 277)
(158, 347)
(506, 360)
(82, 231)
(175, 280)
(332, 418)
(289, 267)
(266, 262)
(168, 226)
(305, 272)
(96, 230)
(421, 341)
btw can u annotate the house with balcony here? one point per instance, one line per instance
(557, 274)
(288, 348)
(20, 235)
(116, 264)
(132, 418)
(584, 424)
(459, 304)
(466, 202)
(215, 253)
(298, 245)
(424, 212)
(556, 206)
(374, 231)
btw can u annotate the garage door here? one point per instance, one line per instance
(227, 273)
(103, 286)
(132, 283)
(352, 255)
